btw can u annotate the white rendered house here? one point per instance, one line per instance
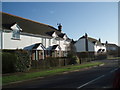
(43, 40)
(88, 44)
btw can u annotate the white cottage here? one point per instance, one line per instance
(88, 44)
(41, 39)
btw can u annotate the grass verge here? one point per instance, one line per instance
(112, 58)
(32, 75)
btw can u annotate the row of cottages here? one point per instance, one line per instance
(40, 39)
(91, 45)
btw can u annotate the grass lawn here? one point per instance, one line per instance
(111, 58)
(31, 75)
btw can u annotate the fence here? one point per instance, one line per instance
(50, 62)
(89, 56)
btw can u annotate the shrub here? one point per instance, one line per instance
(53, 61)
(8, 62)
(72, 58)
(23, 62)
(101, 56)
(15, 61)
(47, 63)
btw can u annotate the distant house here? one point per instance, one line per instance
(41, 39)
(91, 45)
(112, 49)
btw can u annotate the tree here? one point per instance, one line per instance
(72, 53)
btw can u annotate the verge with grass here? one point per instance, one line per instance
(112, 58)
(31, 75)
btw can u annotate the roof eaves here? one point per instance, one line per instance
(28, 20)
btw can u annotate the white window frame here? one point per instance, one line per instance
(54, 41)
(16, 32)
(49, 42)
(44, 41)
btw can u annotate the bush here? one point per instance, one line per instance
(49, 62)
(15, 61)
(23, 62)
(53, 62)
(101, 56)
(72, 58)
(8, 62)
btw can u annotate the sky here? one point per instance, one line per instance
(97, 19)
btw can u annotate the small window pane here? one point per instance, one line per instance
(54, 41)
(16, 34)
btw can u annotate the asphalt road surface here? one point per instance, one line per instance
(96, 77)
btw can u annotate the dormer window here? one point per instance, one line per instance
(16, 31)
(65, 37)
(54, 35)
(16, 34)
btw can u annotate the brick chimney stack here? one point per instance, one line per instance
(99, 40)
(59, 27)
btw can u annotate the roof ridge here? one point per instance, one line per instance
(27, 19)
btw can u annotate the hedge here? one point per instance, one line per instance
(17, 61)
(8, 62)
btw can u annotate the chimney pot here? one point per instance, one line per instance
(59, 27)
(86, 35)
(99, 40)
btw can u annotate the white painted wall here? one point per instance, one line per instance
(26, 41)
(54, 34)
(62, 45)
(91, 46)
(80, 45)
(53, 41)
(99, 47)
(47, 43)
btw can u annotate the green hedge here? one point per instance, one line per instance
(8, 62)
(72, 59)
(23, 62)
(15, 61)
(51, 62)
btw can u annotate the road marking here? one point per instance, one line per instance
(95, 79)
(90, 82)
(113, 70)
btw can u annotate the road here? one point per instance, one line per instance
(96, 77)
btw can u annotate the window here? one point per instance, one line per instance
(54, 41)
(49, 42)
(16, 31)
(16, 34)
(64, 42)
(44, 41)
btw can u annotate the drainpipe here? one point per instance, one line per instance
(86, 42)
(43, 55)
(36, 55)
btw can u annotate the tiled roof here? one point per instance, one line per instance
(93, 40)
(27, 25)
(55, 46)
(61, 35)
(35, 46)
(111, 45)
